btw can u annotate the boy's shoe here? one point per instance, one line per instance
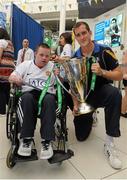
(25, 147)
(46, 150)
(111, 154)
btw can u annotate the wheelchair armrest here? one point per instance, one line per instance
(15, 90)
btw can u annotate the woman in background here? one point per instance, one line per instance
(6, 67)
(65, 44)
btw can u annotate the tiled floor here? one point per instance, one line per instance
(88, 162)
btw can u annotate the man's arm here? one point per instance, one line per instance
(32, 55)
(3, 45)
(1, 52)
(111, 69)
(115, 74)
(124, 64)
(18, 58)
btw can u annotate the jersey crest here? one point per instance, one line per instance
(48, 73)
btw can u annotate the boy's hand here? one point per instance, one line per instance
(16, 79)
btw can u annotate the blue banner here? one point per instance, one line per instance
(99, 31)
(23, 26)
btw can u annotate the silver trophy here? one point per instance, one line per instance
(75, 70)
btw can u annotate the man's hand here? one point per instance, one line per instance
(76, 104)
(55, 58)
(96, 69)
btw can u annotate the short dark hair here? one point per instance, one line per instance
(78, 24)
(43, 45)
(114, 19)
(68, 37)
(4, 34)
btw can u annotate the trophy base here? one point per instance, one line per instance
(84, 108)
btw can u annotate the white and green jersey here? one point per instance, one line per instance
(35, 76)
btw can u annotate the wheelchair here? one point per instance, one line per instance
(60, 148)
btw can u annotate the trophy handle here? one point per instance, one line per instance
(59, 81)
(93, 59)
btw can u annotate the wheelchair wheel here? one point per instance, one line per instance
(10, 119)
(10, 161)
(8, 129)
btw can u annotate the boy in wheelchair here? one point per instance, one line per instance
(37, 73)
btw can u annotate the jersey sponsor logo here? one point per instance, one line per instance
(39, 83)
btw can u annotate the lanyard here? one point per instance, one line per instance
(59, 91)
(93, 80)
(59, 96)
(44, 91)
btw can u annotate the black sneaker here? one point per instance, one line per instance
(46, 150)
(25, 147)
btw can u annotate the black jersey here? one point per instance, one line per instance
(105, 57)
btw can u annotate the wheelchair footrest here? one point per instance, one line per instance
(33, 157)
(60, 155)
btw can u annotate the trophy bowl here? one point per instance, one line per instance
(76, 73)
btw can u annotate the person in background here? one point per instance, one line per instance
(104, 94)
(36, 73)
(6, 67)
(124, 98)
(26, 53)
(65, 43)
(59, 49)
